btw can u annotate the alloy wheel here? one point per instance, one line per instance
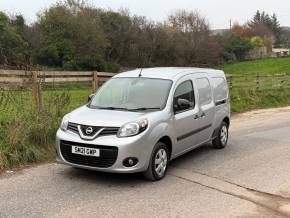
(160, 162)
(224, 135)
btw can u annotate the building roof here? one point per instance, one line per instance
(165, 72)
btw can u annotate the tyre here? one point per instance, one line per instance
(222, 138)
(158, 163)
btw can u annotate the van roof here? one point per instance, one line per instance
(171, 73)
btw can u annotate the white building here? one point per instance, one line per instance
(280, 52)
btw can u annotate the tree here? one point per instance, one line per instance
(74, 37)
(269, 23)
(191, 35)
(237, 45)
(257, 41)
(242, 31)
(12, 46)
(276, 28)
(257, 17)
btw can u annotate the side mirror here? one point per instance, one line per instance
(90, 97)
(182, 104)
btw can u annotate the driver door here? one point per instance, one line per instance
(185, 118)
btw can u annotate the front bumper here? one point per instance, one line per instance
(136, 146)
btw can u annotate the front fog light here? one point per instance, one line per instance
(130, 162)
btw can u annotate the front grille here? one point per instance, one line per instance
(105, 132)
(109, 131)
(73, 127)
(108, 155)
(95, 129)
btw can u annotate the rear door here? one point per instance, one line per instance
(185, 121)
(206, 107)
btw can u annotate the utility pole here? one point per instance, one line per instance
(230, 25)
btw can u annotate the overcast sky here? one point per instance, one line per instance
(218, 12)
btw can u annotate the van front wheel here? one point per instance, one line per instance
(222, 138)
(158, 163)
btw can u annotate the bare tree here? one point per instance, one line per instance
(193, 39)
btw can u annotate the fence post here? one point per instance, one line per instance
(257, 81)
(282, 80)
(95, 81)
(36, 90)
(230, 82)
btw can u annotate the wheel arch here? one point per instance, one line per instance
(216, 130)
(227, 120)
(168, 142)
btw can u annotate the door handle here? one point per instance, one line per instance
(202, 115)
(196, 117)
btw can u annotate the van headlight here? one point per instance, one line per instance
(64, 123)
(133, 128)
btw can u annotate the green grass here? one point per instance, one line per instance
(268, 65)
(27, 136)
(250, 99)
(78, 97)
(15, 102)
(245, 96)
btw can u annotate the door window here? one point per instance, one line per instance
(220, 89)
(204, 91)
(184, 93)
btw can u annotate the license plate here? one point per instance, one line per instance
(86, 151)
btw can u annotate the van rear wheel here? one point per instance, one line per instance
(158, 163)
(222, 138)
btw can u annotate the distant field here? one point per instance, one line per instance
(269, 65)
(11, 102)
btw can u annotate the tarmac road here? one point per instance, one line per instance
(250, 178)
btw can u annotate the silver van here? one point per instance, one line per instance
(140, 120)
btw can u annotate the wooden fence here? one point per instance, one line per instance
(36, 80)
(259, 81)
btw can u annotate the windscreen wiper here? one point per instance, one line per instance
(113, 108)
(145, 108)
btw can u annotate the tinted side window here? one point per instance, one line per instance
(220, 89)
(184, 91)
(204, 91)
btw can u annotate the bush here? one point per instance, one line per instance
(28, 136)
(112, 67)
(237, 45)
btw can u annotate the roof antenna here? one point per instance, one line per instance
(140, 74)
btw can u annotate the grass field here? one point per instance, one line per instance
(269, 94)
(27, 136)
(14, 103)
(269, 65)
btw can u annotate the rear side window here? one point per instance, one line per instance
(204, 91)
(184, 91)
(220, 89)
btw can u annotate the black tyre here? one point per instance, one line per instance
(222, 138)
(158, 163)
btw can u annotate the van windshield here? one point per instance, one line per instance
(132, 94)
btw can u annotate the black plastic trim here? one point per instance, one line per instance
(217, 103)
(108, 155)
(193, 132)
